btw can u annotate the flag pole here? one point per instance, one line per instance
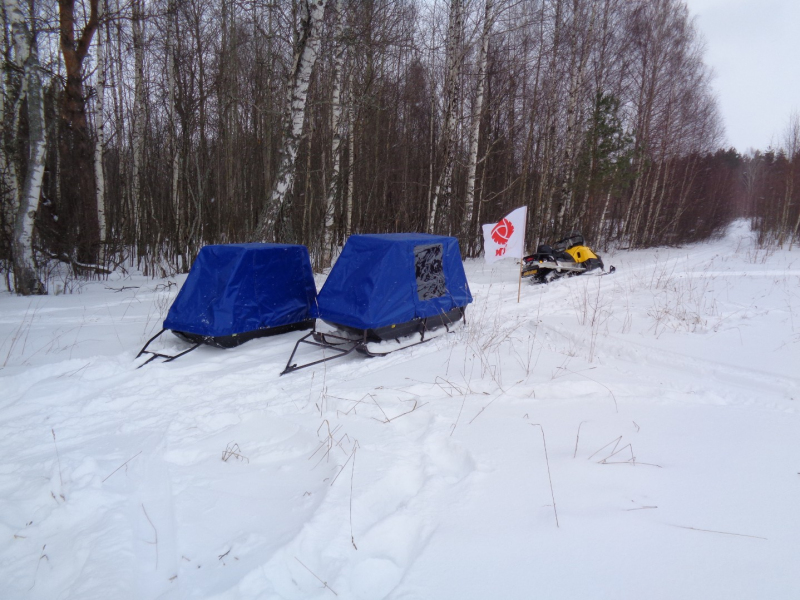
(521, 258)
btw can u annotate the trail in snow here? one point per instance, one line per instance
(667, 393)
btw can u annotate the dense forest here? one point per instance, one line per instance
(136, 131)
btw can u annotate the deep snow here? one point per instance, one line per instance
(667, 395)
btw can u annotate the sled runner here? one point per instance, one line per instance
(387, 292)
(569, 256)
(238, 292)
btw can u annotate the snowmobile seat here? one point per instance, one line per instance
(237, 292)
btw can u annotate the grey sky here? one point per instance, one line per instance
(754, 49)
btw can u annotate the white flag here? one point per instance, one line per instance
(505, 238)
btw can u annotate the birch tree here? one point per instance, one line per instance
(579, 54)
(305, 56)
(172, 19)
(453, 71)
(26, 58)
(138, 126)
(100, 124)
(477, 112)
(11, 95)
(336, 126)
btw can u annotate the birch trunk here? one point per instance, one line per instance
(336, 144)
(469, 201)
(576, 83)
(138, 117)
(454, 32)
(100, 181)
(305, 56)
(172, 17)
(351, 148)
(8, 140)
(26, 54)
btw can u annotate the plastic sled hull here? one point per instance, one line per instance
(236, 339)
(392, 332)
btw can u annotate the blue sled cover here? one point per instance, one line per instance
(237, 288)
(388, 279)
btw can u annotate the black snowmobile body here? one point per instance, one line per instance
(568, 256)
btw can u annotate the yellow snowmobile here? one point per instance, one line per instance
(570, 256)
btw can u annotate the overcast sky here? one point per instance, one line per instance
(754, 48)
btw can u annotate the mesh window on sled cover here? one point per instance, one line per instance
(430, 276)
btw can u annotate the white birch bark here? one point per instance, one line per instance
(100, 123)
(472, 167)
(138, 113)
(305, 56)
(351, 147)
(8, 168)
(9, 152)
(336, 118)
(26, 54)
(576, 83)
(176, 163)
(454, 32)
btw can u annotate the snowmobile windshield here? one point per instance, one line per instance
(574, 239)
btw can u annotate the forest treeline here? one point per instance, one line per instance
(137, 131)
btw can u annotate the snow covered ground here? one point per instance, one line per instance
(667, 395)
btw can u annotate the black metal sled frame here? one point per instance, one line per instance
(223, 342)
(343, 346)
(166, 357)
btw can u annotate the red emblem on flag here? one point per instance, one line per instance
(502, 232)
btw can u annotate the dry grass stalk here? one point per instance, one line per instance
(58, 457)
(615, 442)
(327, 441)
(324, 583)
(408, 412)
(123, 464)
(352, 477)
(577, 437)
(349, 456)
(631, 460)
(549, 478)
(17, 335)
(233, 449)
(616, 406)
(502, 393)
(155, 532)
(458, 418)
(39, 562)
(721, 532)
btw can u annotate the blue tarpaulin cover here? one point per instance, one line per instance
(236, 288)
(388, 279)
